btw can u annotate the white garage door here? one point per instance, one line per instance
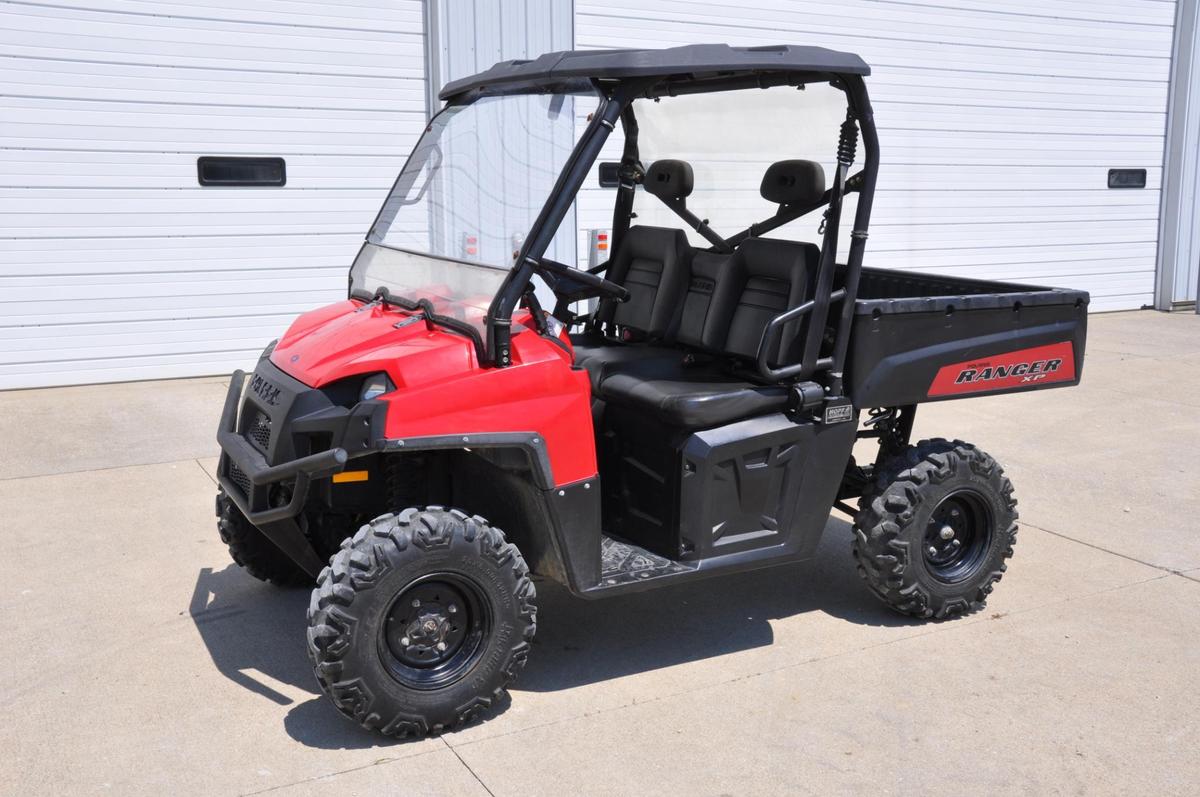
(114, 262)
(998, 124)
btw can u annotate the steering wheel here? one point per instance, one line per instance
(573, 284)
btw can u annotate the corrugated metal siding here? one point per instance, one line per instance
(114, 263)
(998, 124)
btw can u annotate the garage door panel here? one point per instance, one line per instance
(931, 55)
(243, 143)
(180, 41)
(1137, 12)
(164, 252)
(176, 171)
(85, 371)
(889, 21)
(997, 260)
(96, 225)
(1032, 272)
(384, 16)
(940, 115)
(167, 306)
(117, 82)
(973, 88)
(91, 287)
(104, 347)
(998, 125)
(116, 264)
(998, 234)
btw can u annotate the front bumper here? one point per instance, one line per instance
(252, 468)
(277, 437)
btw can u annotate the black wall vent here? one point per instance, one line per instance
(1126, 178)
(229, 171)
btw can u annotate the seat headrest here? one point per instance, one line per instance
(794, 182)
(669, 179)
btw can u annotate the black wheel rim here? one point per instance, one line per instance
(434, 631)
(957, 537)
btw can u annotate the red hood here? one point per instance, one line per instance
(349, 338)
(441, 387)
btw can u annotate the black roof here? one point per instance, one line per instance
(572, 69)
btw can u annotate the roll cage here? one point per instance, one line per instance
(619, 77)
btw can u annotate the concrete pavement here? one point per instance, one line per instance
(139, 660)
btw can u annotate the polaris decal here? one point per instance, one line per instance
(264, 390)
(1024, 368)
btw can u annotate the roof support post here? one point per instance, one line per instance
(860, 106)
(561, 199)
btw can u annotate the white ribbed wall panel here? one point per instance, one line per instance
(114, 263)
(998, 124)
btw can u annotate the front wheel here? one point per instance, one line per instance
(934, 529)
(251, 550)
(421, 621)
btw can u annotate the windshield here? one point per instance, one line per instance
(462, 206)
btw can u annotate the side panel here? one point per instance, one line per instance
(908, 358)
(725, 497)
(741, 485)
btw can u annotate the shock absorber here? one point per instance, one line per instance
(847, 142)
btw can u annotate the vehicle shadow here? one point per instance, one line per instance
(253, 629)
(581, 642)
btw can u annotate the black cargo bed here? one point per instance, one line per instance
(923, 337)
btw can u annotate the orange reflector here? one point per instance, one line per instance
(350, 476)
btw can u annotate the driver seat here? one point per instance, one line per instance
(652, 265)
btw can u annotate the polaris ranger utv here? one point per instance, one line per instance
(686, 408)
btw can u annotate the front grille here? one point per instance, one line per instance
(259, 432)
(239, 478)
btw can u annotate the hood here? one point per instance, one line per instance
(350, 338)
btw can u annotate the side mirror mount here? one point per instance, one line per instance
(610, 174)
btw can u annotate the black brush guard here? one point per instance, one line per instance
(290, 479)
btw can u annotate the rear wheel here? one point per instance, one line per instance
(421, 621)
(252, 551)
(935, 528)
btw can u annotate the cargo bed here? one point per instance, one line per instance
(921, 337)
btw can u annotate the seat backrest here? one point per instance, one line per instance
(652, 265)
(770, 277)
(704, 318)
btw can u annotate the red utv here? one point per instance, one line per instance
(684, 409)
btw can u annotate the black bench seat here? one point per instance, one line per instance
(762, 279)
(689, 337)
(698, 400)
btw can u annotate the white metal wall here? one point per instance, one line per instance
(114, 263)
(998, 124)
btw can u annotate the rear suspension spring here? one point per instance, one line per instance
(847, 142)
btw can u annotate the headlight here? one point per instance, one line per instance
(375, 386)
